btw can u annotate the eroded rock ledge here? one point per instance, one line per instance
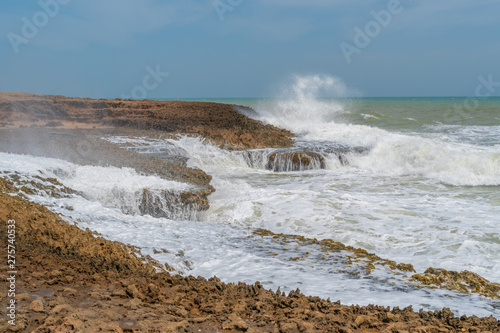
(465, 281)
(87, 147)
(219, 123)
(72, 129)
(70, 280)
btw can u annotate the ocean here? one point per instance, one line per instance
(422, 188)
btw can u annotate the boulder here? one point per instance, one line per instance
(294, 161)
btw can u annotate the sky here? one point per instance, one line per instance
(246, 48)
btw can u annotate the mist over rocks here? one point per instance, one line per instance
(219, 123)
(71, 129)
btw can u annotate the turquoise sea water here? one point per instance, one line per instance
(401, 113)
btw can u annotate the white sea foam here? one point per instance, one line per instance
(387, 214)
(234, 253)
(428, 198)
(111, 186)
(454, 163)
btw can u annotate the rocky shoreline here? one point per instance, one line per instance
(71, 280)
(219, 123)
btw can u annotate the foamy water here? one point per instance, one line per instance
(427, 195)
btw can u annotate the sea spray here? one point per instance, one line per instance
(317, 203)
(121, 188)
(299, 106)
(302, 109)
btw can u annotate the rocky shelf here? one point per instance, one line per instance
(219, 123)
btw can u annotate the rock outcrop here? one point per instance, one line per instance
(295, 161)
(87, 147)
(69, 280)
(300, 159)
(219, 123)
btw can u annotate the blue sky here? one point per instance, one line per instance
(244, 48)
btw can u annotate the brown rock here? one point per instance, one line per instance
(37, 306)
(235, 323)
(72, 323)
(295, 161)
(367, 321)
(133, 292)
(219, 123)
(23, 297)
(70, 291)
(393, 317)
(399, 327)
(110, 327)
(47, 243)
(62, 308)
(182, 326)
(133, 304)
(111, 315)
(289, 328)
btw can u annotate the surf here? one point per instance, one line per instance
(316, 108)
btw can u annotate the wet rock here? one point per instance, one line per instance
(101, 266)
(465, 282)
(295, 161)
(173, 205)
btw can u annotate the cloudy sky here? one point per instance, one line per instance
(244, 48)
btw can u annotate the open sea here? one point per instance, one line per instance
(424, 191)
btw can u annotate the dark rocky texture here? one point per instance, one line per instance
(295, 161)
(71, 281)
(464, 282)
(219, 123)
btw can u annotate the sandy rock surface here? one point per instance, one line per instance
(219, 123)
